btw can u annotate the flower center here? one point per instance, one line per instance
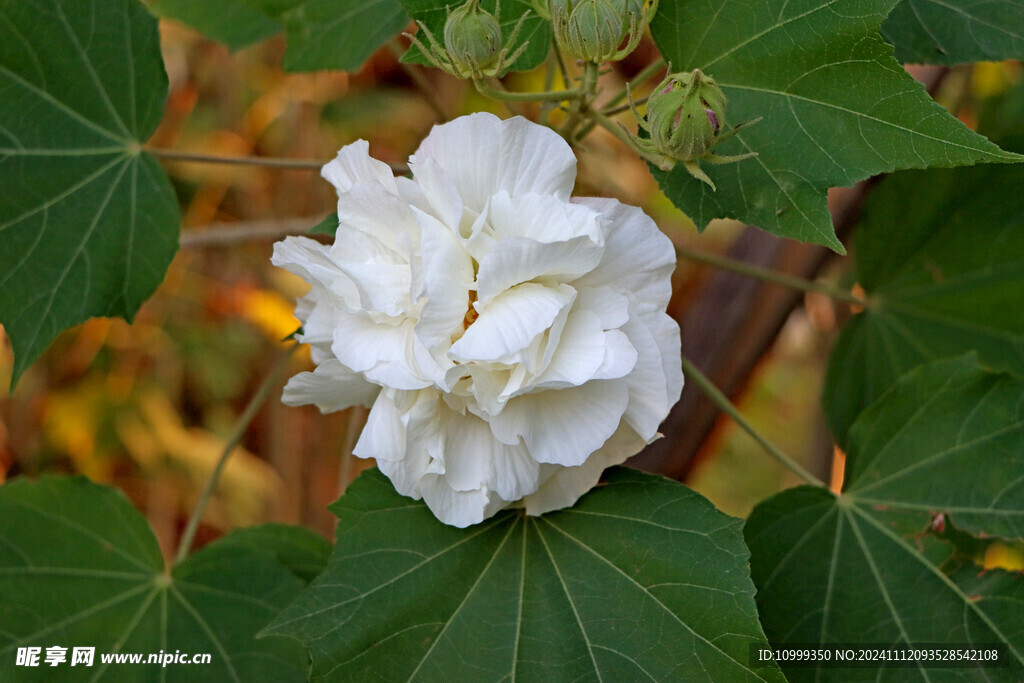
(471, 313)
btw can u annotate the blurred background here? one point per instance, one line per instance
(148, 406)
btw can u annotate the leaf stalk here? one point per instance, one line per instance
(718, 398)
(248, 415)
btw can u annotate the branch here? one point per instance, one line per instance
(768, 275)
(227, 234)
(691, 372)
(268, 162)
(255, 403)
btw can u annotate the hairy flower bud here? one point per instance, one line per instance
(685, 119)
(595, 30)
(472, 43)
(685, 114)
(472, 37)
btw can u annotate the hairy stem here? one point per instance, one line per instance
(588, 85)
(255, 403)
(621, 133)
(556, 96)
(767, 275)
(612, 111)
(692, 373)
(610, 107)
(645, 74)
(560, 60)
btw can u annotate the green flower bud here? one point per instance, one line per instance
(595, 31)
(559, 9)
(685, 114)
(472, 39)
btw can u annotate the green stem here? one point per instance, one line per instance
(767, 275)
(560, 60)
(588, 85)
(255, 403)
(557, 96)
(646, 73)
(275, 162)
(620, 132)
(612, 111)
(549, 84)
(692, 373)
(610, 108)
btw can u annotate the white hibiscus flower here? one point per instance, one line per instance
(512, 343)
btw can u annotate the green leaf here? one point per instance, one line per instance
(337, 34)
(948, 438)
(956, 31)
(302, 551)
(535, 31)
(642, 579)
(328, 226)
(80, 567)
(947, 278)
(236, 23)
(836, 108)
(88, 223)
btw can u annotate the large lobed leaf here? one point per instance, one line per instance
(337, 34)
(236, 23)
(947, 438)
(642, 580)
(80, 567)
(88, 223)
(944, 278)
(956, 31)
(321, 34)
(836, 108)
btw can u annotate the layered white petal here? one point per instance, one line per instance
(584, 350)
(355, 165)
(517, 260)
(388, 355)
(657, 379)
(563, 427)
(439, 192)
(458, 508)
(564, 485)
(448, 277)
(542, 218)
(331, 386)
(481, 154)
(638, 257)
(380, 219)
(319, 313)
(510, 322)
(512, 343)
(313, 262)
(383, 436)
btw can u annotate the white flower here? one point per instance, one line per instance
(512, 343)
